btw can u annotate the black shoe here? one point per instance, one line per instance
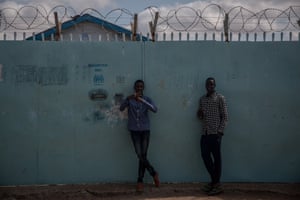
(207, 187)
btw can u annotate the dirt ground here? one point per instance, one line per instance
(176, 191)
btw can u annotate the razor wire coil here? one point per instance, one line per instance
(181, 19)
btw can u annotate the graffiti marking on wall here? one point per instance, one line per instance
(53, 76)
(26, 74)
(98, 65)
(41, 75)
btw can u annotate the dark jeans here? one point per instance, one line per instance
(211, 155)
(140, 141)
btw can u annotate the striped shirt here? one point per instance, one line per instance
(215, 115)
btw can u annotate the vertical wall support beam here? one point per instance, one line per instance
(226, 26)
(152, 26)
(134, 27)
(57, 26)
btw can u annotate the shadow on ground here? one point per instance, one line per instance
(179, 191)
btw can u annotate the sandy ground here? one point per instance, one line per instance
(176, 191)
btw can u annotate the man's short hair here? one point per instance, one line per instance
(138, 81)
(210, 79)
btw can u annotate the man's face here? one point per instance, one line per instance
(210, 86)
(139, 87)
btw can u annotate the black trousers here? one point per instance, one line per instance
(211, 155)
(140, 141)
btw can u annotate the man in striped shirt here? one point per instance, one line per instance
(213, 114)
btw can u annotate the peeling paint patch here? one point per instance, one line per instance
(186, 102)
(113, 115)
(106, 112)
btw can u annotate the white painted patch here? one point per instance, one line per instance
(113, 114)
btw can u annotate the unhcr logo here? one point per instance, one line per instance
(98, 79)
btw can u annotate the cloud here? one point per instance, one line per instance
(77, 5)
(30, 13)
(173, 17)
(244, 16)
(80, 4)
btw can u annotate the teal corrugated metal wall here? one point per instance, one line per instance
(59, 118)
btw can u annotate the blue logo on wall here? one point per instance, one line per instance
(98, 79)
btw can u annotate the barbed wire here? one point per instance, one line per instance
(181, 19)
(211, 18)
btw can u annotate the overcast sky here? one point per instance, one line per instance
(136, 6)
(139, 6)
